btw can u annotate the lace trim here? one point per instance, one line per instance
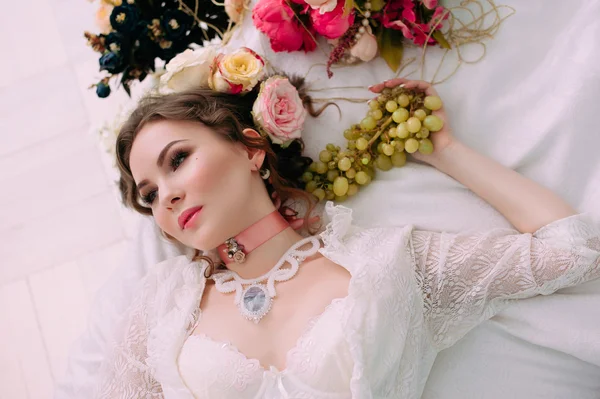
(313, 321)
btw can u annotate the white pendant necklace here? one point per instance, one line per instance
(255, 300)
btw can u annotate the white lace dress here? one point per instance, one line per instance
(411, 294)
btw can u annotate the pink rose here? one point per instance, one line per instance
(332, 24)
(278, 110)
(430, 4)
(365, 48)
(276, 19)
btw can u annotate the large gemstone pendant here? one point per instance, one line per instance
(256, 302)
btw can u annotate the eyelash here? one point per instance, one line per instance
(149, 198)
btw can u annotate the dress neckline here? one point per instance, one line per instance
(308, 330)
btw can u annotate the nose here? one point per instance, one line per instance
(172, 196)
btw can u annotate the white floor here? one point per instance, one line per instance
(62, 228)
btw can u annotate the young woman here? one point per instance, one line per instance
(348, 313)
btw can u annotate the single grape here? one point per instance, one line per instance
(319, 193)
(425, 146)
(368, 123)
(433, 123)
(391, 106)
(400, 115)
(402, 130)
(348, 134)
(362, 144)
(398, 159)
(306, 177)
(325, 156)
(370, 172)
(344, 164)
(330, 147)
(373, 104)
(433, 103)
(386, 91)
(383, 162)
(352, 189)
(420, 114)
(392, 132)
(377, 114)
(332, 174)
(351, 173)
(411, 145)
(424, 132)
(388, 149)
(340, 186)
(311, 186)
(313, 167)
(352, 144)
(380, 147)
(413, 124)
(399, 145)
(362, 178)
(321, 168)
(331, 165)
(403, 100)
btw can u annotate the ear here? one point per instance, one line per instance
(256, 157)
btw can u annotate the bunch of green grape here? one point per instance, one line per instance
(399, 121)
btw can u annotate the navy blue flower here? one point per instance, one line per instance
(102, 90)
(124, 18)
(111, 62)
(176, 24)
(117, 43)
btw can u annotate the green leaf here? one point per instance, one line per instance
(390, 47)
(348, 7)
(439, 37)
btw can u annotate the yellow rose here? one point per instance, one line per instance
(237, 72)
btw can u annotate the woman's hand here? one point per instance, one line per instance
(443, 139)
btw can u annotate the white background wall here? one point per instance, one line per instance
(62, 228)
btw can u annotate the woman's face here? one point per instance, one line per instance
(181, 165)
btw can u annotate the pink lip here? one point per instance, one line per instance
(188, 216)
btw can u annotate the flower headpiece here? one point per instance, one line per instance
(278, 111)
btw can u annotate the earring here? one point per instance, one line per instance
(265, 173)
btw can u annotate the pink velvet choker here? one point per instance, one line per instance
(237, 248)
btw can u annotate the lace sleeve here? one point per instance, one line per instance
(125, 373)
(467, 278)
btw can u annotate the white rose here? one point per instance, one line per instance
(188, 70)
(365, 48)
(234, 9)
(323, 6)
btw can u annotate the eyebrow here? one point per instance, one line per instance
(160, 160)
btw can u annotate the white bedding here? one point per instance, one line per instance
(533, 104)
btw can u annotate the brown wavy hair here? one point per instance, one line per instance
(228, 115)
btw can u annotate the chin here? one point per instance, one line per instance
(204, 239)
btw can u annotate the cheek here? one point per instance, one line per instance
(210, 175)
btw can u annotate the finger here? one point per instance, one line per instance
(395, 82)
(388, 83)
(417, 84)
(377, 88)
